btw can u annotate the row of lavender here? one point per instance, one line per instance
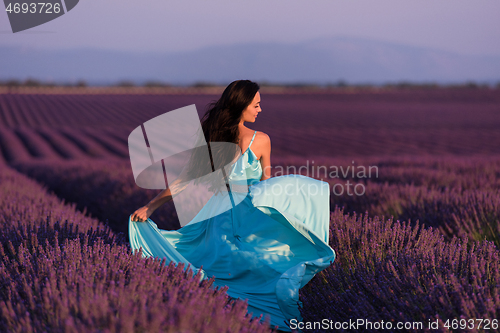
(432, 121)
(23, 143)
(460, 197)
(56, 109)
(62, 271)
(385, 270)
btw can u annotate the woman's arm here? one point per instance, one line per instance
(167, 194)
(143, 213)
(265, 158)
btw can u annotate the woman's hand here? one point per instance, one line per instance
(142, 214)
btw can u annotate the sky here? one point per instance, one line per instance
(460, 26)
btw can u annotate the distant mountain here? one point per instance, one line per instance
(325, 60)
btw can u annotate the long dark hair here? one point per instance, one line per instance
(220, 124)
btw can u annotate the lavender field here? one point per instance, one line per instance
(421, 243)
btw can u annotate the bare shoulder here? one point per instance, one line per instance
(262, 138)
(263, 149)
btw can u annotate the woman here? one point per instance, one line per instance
(271, 242)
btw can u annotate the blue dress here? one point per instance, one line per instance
(264, 249)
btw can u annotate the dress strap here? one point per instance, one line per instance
(253, 137)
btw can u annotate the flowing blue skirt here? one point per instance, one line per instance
(264, 249)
